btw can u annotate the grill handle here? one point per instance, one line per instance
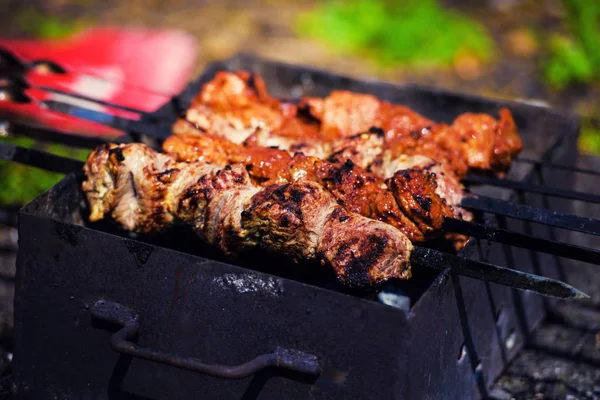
(118, 314)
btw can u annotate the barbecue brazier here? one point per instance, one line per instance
(75, 282)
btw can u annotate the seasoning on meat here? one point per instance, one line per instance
(237, 106)
(381, 197)
(146, 191)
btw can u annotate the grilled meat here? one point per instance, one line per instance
(146, 191)
(356, 189)
(237, 106)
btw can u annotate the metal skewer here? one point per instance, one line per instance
(531, 188)
(548, 246)
(533, 214)
(544, 164)
(493, 273)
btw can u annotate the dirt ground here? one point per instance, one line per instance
(563, 359)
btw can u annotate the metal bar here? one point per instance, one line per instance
(147, 125)
(430, 258)
(46, 134)
(38, 159)
(140, 127)
(17, 82)
(534, 214)
(532, 188)
(524, 241)
(116, 313)
(91, 100)
(556, 166)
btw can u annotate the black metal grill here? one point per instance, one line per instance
(410, 349)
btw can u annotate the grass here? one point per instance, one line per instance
(589, 137)
(411, 33)
(19, 184)
(43, 26)
(574, 57)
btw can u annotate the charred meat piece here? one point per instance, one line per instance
(437, 142)
(490, 145)
(507, 143)
(146, 191)
(235, 104)
(415, 191)
(448, 187)
(346, 114)
(362, 149)
(126, 186)
(478, 132)
(211, 149)
(356, 190)
(315, 148)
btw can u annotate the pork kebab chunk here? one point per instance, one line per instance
(490, 145)
(145, 191)
(447, 186)
(236, 104)
(354, 188)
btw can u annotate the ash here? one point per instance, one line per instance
(250, 283)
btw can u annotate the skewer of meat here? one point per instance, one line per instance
(414, 199)
(100, 182)
(146, 191)
(237, 106)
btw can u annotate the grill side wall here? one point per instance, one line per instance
(191, 307)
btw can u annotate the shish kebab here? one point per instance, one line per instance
(237, 106)
(146, 191)
(420, 256)
(414, 200)
(412, 192)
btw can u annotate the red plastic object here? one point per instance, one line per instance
(140, 69)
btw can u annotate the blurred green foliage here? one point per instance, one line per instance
(20, 184)
(575, 57)
(589, 137)
(415, 33)
(43, 26)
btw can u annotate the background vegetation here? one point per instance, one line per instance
(462, 48)
(413, 33)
